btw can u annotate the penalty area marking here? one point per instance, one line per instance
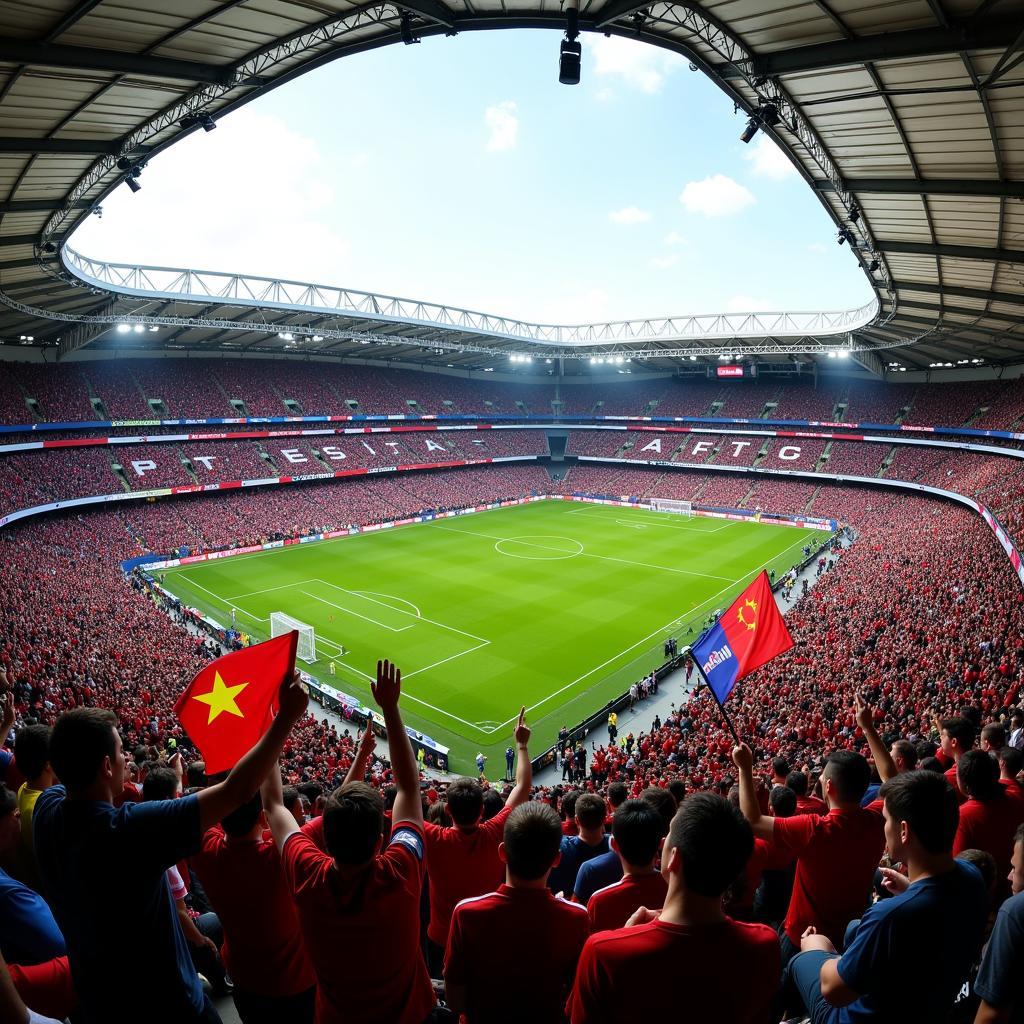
(529, 541)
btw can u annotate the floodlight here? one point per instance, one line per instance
(123, 328)
(132, 183)
(138, 328)
(405, 29)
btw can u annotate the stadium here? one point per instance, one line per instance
(553, 519)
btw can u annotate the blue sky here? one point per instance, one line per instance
(460, 171)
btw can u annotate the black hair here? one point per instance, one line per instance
(931, 764)
(617, 793)
(241, 821)
(32, 750)
(908, 752)
(80, 741)
(849, 773)
(638, 829)
(493, 802)
(978, 773)
(590, 811)
(663, 802)
(797, 782)
(782, 801)
(928, 804)
(160, 783)
(714, 842)
(960, 729)
(780, 767)
(465, 800)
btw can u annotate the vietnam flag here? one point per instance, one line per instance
(231, 703)
(750, 633)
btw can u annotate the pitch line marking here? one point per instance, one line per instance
(267, 590)
(524, 542)
(222, 600)
(400, 600)
(421, 618)
(358, 615)
(590, 554)
(649, 636)
(452, 657)
(665, 526)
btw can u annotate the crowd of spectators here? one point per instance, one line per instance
(910, 655)
(203, 388)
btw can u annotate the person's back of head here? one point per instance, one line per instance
(797, 782)
(617, 794)
(353, 823)
(848, 774)
(590, 812)
(780, 767)
(925, 749)
(437, 814)
(567, 805)
(1011, 761)
(712, 842)
(242, 821)
(985, 863)
(81, 742)
(637, 829)
(906, 753)
(782, 801)
(663, 802)
(195, 775)
(928, 804)
(10, 822)
(465, 801)
(492, 804)
(993, 736)
(531, 841)
(314, 793)
(978, 774)
(32, 750)
(160, 783)
(678, 790)
(292, 800)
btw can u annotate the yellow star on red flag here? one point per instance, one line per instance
(221, 698)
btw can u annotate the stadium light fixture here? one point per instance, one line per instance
(873, 266)
(570, 53)
(854, 213)
(844, 353)
(154, 329)
(123, 328)
(693, 359)
(318, 337)
(405, 29)
(831, 355)
(139, 328)
(132, 183)
(766, 114)
(286, 335)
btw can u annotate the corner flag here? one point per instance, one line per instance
(232, 701)
(750, 633)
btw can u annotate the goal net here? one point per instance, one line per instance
(683, 508)
(281, 623)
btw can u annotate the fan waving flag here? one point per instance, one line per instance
(231, 703)
(749, 634)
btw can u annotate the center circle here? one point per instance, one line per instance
(543, 548)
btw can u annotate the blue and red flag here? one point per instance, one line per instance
(749, 633)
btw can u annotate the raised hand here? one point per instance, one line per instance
(522, 733)
(388, 687)
(894, 881)
(865, 716)
(293, 697)
(743, 757)
(367, 743)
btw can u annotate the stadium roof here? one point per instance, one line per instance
(905, 117)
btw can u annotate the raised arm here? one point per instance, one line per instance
(367, 744)
(882, 758)
(386, 691)
(279, 818)
(763, 826)
(246, 777)
(524, 769)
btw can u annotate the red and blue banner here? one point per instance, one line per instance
(748, 634)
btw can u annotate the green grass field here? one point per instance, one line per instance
(555, 605)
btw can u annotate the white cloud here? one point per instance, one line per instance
(629, 215)
(664, 262)
(768, 160)
(640, 65)
(673, 238)
(503, 122)
(266, 219)
(716, 196)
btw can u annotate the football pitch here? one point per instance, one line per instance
(556, 605)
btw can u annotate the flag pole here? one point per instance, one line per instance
(704, 679)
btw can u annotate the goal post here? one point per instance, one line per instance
(682, 508)
(281, 623)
